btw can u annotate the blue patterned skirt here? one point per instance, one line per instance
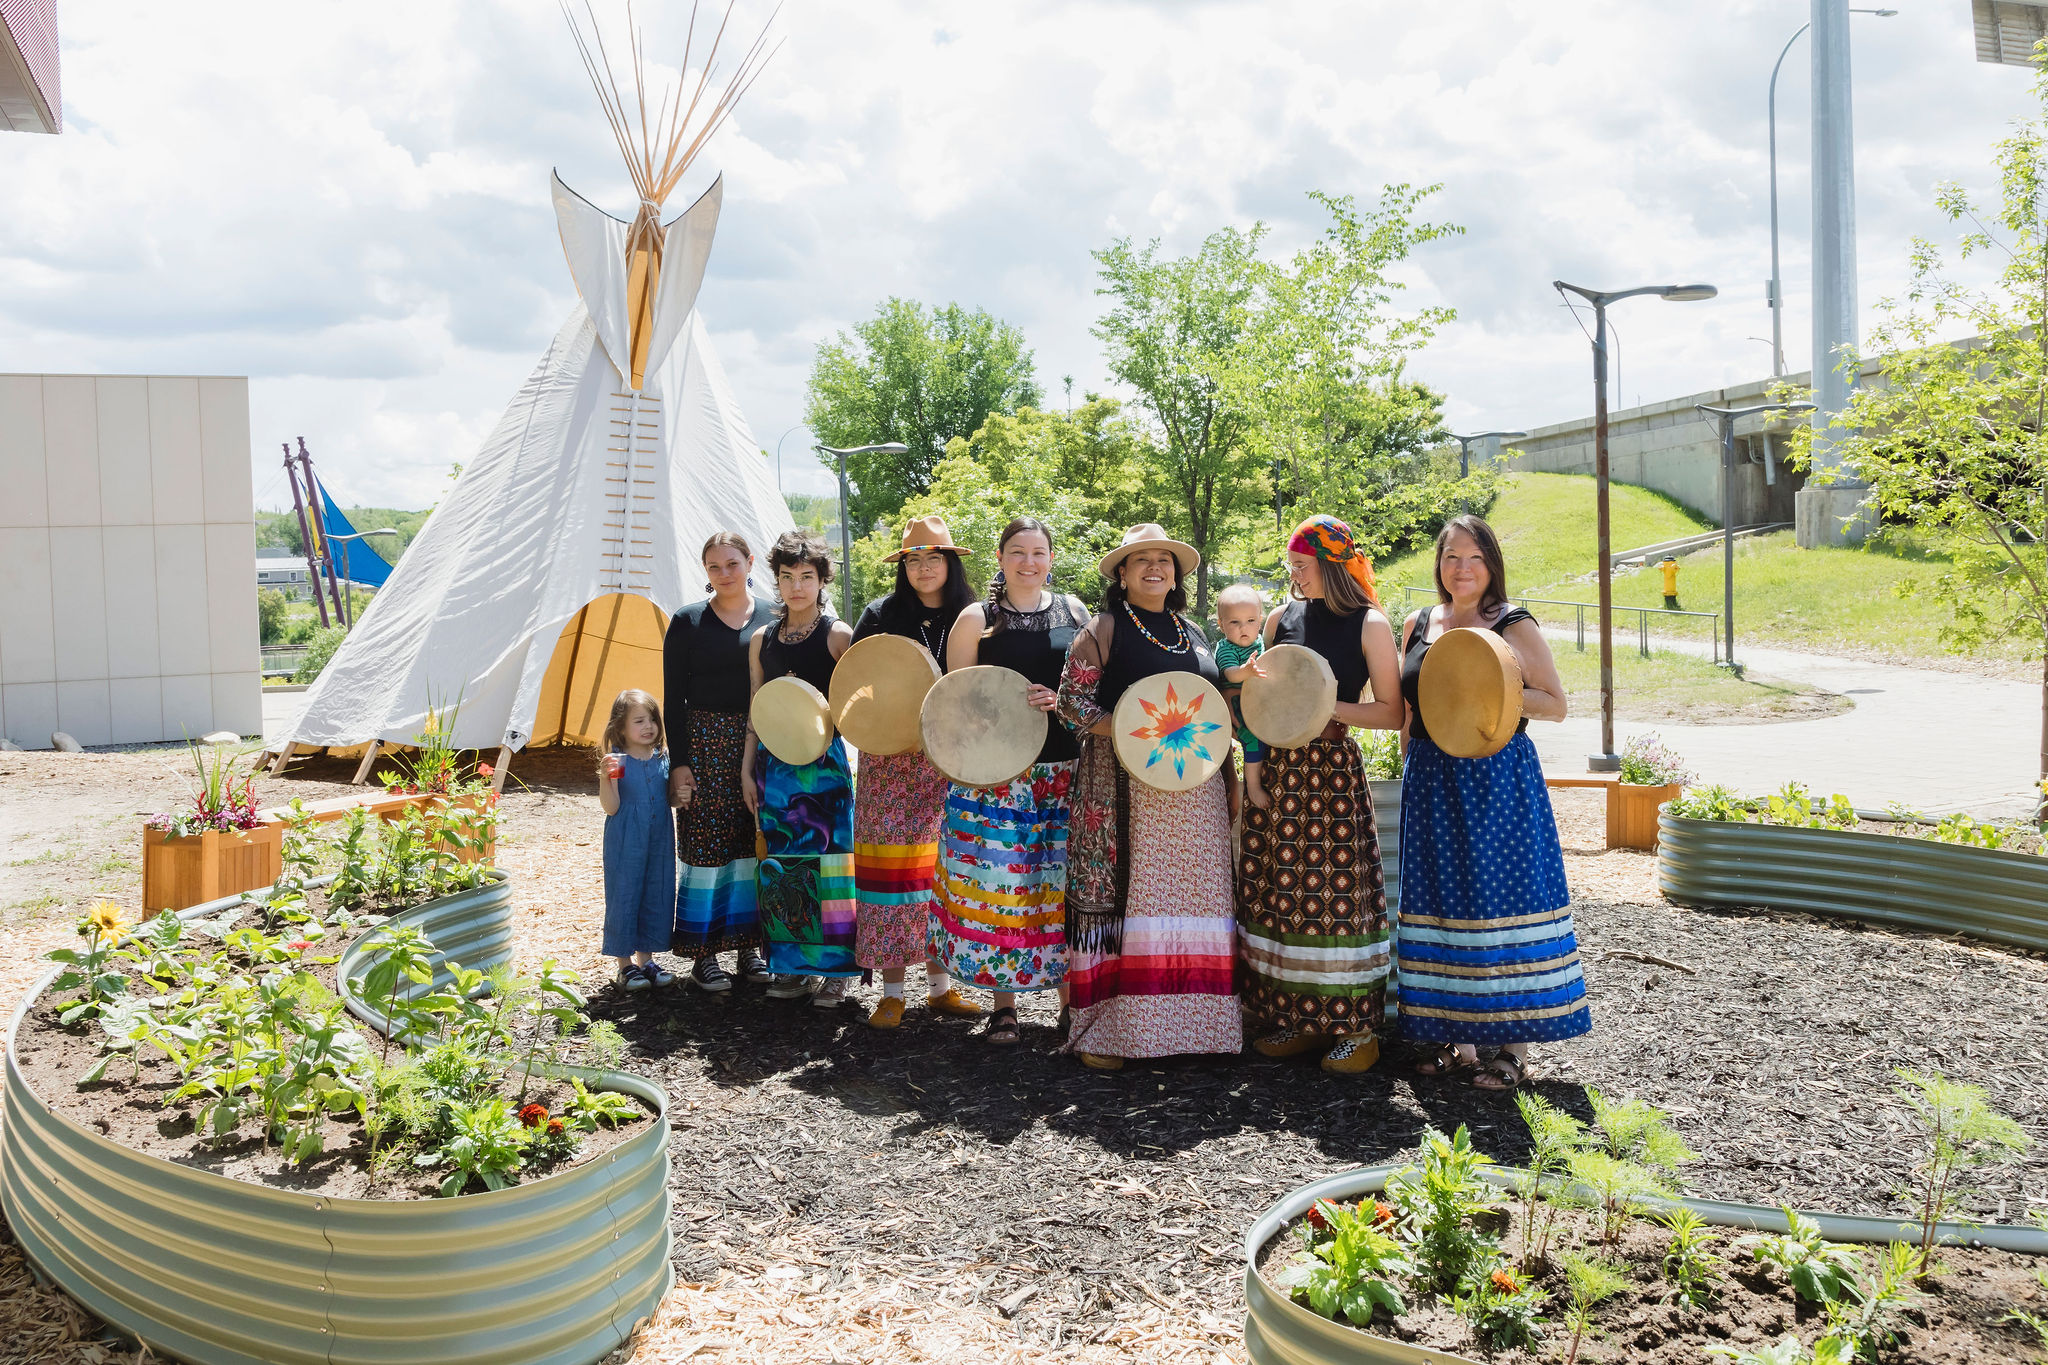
(1484, 938)
(804, 885)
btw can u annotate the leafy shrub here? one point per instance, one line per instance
(1382, 750)
(1820, 1271)
(1553, 1136)
(1590, 1282)
(1352, 1265)
(1716, 802)
(320, 648)
(1793, 805)
(1437, 1200)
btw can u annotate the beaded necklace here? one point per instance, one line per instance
(1181, 648)
(782, 631)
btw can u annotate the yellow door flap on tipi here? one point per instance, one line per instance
(612, 644)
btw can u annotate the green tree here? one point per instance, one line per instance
(273, 614)
(1953, 438)
(1171, 332)
(1084, 476)
(917, 376)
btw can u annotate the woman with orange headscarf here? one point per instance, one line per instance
(1312, 905)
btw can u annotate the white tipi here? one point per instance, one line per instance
(543, 583)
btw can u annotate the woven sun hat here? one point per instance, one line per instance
(1151, 534)
(926, 533)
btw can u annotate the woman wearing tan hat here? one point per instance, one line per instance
(1151, 933)
(899, 802)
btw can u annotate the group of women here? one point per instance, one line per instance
(1166, 925)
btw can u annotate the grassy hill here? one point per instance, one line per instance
(1827, 601)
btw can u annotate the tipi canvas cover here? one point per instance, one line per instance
(543, 583)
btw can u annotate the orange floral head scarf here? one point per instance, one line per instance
(1330, 541)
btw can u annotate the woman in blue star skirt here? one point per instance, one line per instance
(1485, 946)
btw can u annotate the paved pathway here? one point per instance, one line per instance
(1934, 741)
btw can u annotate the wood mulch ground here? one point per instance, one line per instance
(846, 1194)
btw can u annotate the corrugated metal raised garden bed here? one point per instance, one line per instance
(552, 1270)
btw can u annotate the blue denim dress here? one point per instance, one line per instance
(640, 861)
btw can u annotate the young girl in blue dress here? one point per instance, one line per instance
(639, 841)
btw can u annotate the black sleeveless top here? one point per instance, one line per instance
(1411, 665)
(1335, 637)
(809, 658)
(1133, 656)
(1035, 643)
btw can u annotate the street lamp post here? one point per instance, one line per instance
(1465, 446)
(348, 591)
(1777, 284)
(845, 528)
(1607, 760)
(1728, 418)
(778, 453)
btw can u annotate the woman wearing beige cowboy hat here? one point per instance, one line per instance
(1151, 931)
(899, 801)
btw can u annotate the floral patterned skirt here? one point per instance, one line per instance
(898, 805)
(805, 886)
(1000, 918)
(1167, 987)
(715, 839)
(1318, 950)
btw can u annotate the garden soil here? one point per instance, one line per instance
(845, 1193)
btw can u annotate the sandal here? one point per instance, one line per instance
(1003, 1029)
(1504, 1073)
(1445, 1061)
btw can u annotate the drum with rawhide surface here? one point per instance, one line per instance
(1290, 699)
(878, 690)
(1172, 730)
(792, 720)
(979, 728)
(1470, 693)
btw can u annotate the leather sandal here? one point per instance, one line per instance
(1506, 1072)
(1445, 1061)
(1003, 1029)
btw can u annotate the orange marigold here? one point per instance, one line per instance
(534, 1115)
(1504, 1281)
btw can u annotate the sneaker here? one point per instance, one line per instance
(658, 975)
(832, 993)
(707, 975)
(633, 979)
(784, 986)
(754, 967)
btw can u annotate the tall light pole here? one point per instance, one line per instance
(348, 587)
(1607, 760)
(845, 529)
(1465, 446)
(778, 453)
(1776, 284)
(1728, 418)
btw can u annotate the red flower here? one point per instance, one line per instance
(534, 1115)
(484, 770)
(1316, 1219)
(297, 945)
(556, 1128)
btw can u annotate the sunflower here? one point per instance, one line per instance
(104, 918)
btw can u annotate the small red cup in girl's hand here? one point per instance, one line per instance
(613, 766)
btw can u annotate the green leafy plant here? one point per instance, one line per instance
(1437, 1200)
(1503, 1305)
(1871, 1318)
(1960, 1130)
(1689, 1262)
(1590, 1282)
(1798, 808)
(1959, 828)
(1820, 1271)
(486, 1142)
(406, 958)
(355, 852)
(1382, 750)
(1553, 1136)
(587, 1108)
(1788, 1350)
(223, 799)
(2037, 1321)
(1636, 1130)
(1615, 1187)
(1352, 1267)
(604, 1045)
(92, 967)
(1716, 802)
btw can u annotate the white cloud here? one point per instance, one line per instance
(348, 203)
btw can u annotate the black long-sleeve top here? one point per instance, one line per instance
(704, 668)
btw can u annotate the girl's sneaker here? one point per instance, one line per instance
(707, 975)
(754, 967)
(789, 987)
(832, 994)
(631, 978)
(658, 975)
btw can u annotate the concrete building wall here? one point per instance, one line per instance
(126, 535)
(1676, 450)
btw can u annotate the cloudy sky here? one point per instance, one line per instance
(347, 202)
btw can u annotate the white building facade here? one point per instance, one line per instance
(126, 535)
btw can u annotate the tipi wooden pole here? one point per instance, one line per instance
(369, 761)
(503, 765)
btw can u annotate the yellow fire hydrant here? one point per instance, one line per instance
(1670, 568)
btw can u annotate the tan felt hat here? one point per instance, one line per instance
(926, 533)
(1149, 534)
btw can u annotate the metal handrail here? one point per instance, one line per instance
(1579, 610)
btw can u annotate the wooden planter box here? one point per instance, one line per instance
(1632, 813)
(180, 873)
(393, 809)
